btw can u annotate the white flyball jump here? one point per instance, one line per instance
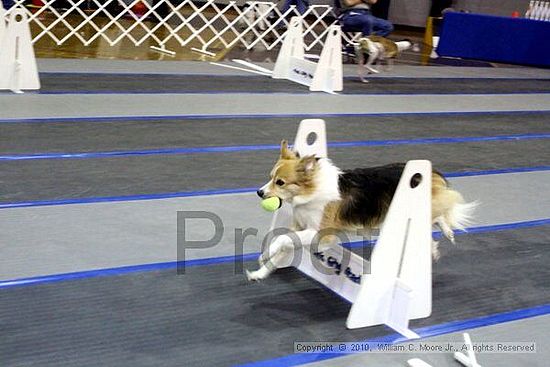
(326, 75)
(397, 287)
(18, 69)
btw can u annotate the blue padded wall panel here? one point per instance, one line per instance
(497, 39)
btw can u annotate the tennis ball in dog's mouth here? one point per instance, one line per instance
(271, 204)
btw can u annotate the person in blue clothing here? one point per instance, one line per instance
(301, 5)
(8, 4)
(356, 16)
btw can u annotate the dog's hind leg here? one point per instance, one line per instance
(446, 229)
(389, 64)
(435, 250)
(360, 61)
(373, 56)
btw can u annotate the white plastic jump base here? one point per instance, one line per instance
(253, 66)
(398, 287)
(417, 362)
(326, 75)
(233, 67)
(18, 69)
(467, 360)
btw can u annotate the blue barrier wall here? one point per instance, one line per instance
(497, 39)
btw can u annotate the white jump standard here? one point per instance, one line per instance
(18, 69)
(398, 286)
(326, 75)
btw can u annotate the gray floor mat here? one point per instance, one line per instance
(212, 317)
(70, 238)
(138, 83)
(53, 179)
(47, 106)
(154, 133)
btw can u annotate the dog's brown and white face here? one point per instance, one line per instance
(291, 176)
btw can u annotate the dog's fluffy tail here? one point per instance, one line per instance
(449, 205)
(403, 45)
(461, 215)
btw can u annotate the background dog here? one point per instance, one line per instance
(375, 49)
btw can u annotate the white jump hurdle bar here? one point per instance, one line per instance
(398, 287)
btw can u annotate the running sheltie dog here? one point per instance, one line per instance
(325, 198)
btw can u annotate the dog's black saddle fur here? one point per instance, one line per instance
(367, 193)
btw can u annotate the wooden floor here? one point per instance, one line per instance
(136, 45)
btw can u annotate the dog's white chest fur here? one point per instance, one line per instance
(309, 215)
(308, 211)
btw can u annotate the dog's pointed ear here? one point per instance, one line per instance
(285, 152)
(308, 164)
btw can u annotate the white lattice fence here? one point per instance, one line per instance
(172, 23)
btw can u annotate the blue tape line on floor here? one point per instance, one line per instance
(54, 278)
(246, 148)
(107, 199)
(183, 194)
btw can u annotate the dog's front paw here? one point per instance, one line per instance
(253, 276)
(451, 236)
